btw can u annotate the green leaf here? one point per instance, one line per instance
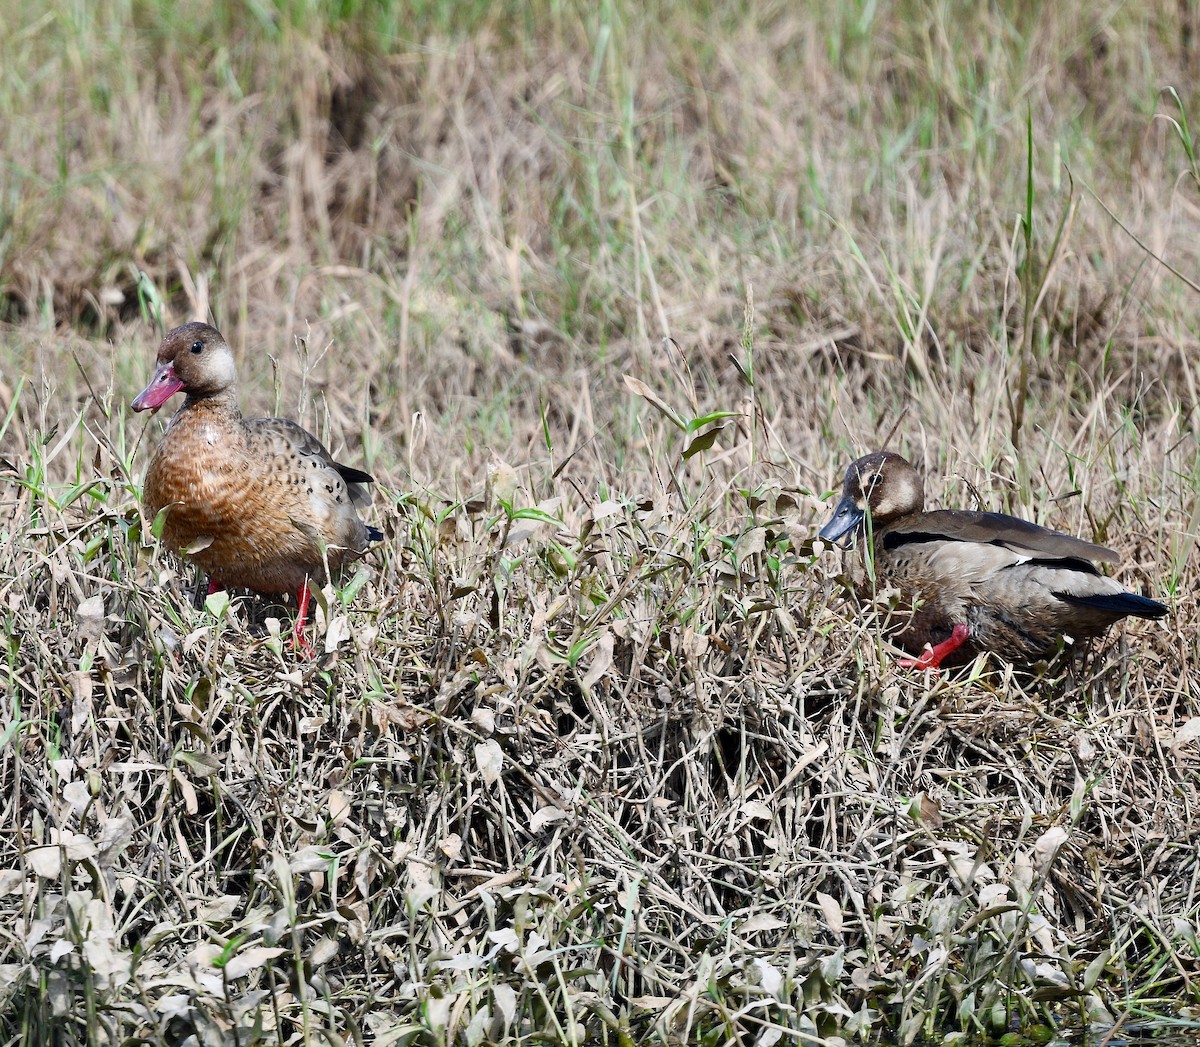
(1094, 969)
(12, 407)
(579, 648)
(350, 590)
(702, 420)
(535, 514)
(703, 442)
(160, 521)
(10, 731)
(545, 425)
(228, 952)
(217, 603)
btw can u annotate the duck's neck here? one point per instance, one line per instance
(220, 408)
(223, 403)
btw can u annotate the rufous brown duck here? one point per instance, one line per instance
(977, 581)
(254, 502)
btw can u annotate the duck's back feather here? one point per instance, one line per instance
(1021, 536)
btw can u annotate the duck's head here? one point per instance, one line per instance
(882, 484)
(194, 359)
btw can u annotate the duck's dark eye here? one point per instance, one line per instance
(197, 347)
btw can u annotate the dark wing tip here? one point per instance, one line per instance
(1119, 604)
(352, 475)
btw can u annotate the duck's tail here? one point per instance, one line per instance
(1119, 604)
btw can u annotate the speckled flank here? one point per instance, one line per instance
(256, 502)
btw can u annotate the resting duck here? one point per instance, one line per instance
(254, 502)
(979, 581)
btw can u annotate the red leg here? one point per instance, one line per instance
(299, 640)
(932, 659)
(215, 587)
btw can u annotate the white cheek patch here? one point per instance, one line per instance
(224, 369)
(901, 496)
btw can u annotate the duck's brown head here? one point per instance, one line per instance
(194, 359)
(881, 484)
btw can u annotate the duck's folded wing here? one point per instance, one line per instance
(1027, 540)
(281, 436)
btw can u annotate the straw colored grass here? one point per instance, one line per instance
(598, 746)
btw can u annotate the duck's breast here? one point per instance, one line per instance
(248, 509)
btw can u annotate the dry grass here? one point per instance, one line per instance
(597, 749)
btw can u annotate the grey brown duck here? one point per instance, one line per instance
(978, 581)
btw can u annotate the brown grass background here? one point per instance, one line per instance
(629, 766)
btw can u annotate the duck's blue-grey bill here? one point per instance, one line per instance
(846, 517)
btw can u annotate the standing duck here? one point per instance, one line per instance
(978, 581)
(254, 502)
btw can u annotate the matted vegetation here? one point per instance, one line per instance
(598, 747)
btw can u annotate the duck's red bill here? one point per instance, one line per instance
(162, 387)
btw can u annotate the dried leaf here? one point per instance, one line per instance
(695, 644)
(756, 810)
(313, 858)
(339, 806)
(1188, 732)
(77, 846)
(101, 948)
(89, 619)
(759, 923)
(185, 787)
(324, 949)
(502, 478)
(337, 632)
(421, 886)
(752, 542)
(77, 795)
(1047, 847)
(602, 656)
(490, 759)
(768, 977)
(832, 911)
(505, 998)
(544, 816)
(251, 959)
(652, 398)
